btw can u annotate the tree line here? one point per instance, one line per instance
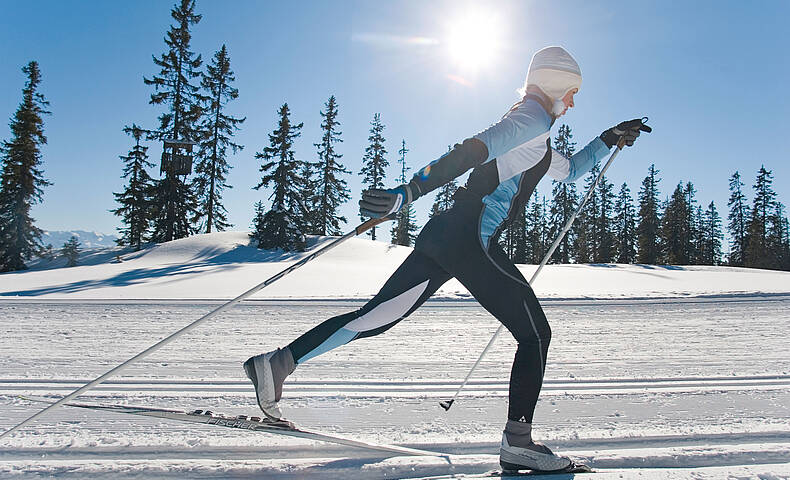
(678, 230)
(306, 195)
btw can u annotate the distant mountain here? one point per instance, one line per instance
(87, 239)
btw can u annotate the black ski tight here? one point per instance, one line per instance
(488, 275)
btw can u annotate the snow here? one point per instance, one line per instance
(222, 265)
(654, 372)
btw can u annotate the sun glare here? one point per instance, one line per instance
(473, 39)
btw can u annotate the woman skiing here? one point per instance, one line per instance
(508, 160)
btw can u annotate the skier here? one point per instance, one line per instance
(508, 160)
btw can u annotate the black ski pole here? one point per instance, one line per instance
(620, 144)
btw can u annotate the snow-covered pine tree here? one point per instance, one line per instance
(21, 177)
(675, 229)
(649, 219)
(174, 201)
(218, 128)
(404, 231)
(625, 226)
(712, 236)
(332, 190)
(374, 163)
(764, 204)
(282, 225)
(737, 218)
(71, 250)
(444, 196)
(565, 202)
(134, 200)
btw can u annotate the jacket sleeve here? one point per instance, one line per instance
(469, 154)
(517, 127)
(569, 170)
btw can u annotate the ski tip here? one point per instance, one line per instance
(447, 404)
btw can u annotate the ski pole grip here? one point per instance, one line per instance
(372, 223)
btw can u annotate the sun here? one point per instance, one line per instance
(473, 39)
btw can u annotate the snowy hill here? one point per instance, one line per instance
(222, 265)
(88, 240)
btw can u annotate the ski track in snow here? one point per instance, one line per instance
(637, 389)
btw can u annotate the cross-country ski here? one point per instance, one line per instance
(400, 240)
(241, 422)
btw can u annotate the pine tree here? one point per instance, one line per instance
(606, 237)
(516, 237)
(332, 190)
(779, 238)
(589, 234)
(218, 128)
(444, 197)
(536, 230)
(307, 200)
(134, 200)
(649, 219)
(21, 177)
(404, 231)
(675, 229)
(710, 252)
(625, 226)
(374, 163)
(737, 221)
(697, 255)
(283, 224)
(71, 250)
(693, 220)
(763, 207)
(565, 202)
(174, 202)
(258, 225)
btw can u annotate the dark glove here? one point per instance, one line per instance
(378, 203)
(628, 130)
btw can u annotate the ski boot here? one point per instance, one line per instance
(519, 452)
(267, 373)
(534, 457)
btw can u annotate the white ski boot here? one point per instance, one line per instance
(267, 372)
(519, 452)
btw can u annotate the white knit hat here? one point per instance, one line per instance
(554, 71)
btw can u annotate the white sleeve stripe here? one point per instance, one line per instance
(521, 158)
(560, 167)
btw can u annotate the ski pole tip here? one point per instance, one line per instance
(447, 404)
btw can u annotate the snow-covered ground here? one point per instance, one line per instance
(654, 372)
(222, 265)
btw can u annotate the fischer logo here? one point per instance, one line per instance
(231, 422)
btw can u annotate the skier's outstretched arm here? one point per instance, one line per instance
(518, 126)
(569, 170)
(377, 203)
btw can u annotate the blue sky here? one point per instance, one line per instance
(710, 75)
